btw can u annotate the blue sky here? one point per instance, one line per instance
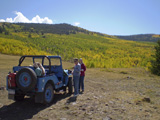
(114, 17)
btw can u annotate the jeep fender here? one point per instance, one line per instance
(42, 81)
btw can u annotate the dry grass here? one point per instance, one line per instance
(109, 94)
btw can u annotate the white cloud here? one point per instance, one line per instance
(2, 20)
(37, 19)
(76, 23)
(21, 18)
(9, 20)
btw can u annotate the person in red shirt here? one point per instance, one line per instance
(82, 75)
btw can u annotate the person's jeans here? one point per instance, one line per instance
(81, 83)
(76, 84)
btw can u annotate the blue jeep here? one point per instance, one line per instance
(24, 81)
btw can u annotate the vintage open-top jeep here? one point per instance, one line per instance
(24, 81)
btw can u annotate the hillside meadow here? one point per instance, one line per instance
(97, 51)
(112, 94)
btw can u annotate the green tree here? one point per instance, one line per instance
(30, 36)
(6, 32)
(42, 33)
(1, 29)
(155, 69)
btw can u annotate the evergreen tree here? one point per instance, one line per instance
(6, 32)
(30, 36)
(1, 30)
(42, 32)
(155, 69)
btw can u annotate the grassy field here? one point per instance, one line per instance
(117, 94)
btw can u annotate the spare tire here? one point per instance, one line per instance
(26, 79)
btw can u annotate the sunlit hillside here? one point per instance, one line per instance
(97, 50)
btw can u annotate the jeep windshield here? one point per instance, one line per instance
(55, 61)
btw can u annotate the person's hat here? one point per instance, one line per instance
(75, 59)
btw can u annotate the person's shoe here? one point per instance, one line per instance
(76, 95)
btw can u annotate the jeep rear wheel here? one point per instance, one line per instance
(70, 85)
(48, 94)
(26, 79)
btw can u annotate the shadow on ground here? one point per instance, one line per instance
(26, 109)
(71, 99)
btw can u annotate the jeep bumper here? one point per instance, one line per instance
(11, 94)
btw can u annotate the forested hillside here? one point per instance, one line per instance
(141, 37)
(55, 29)
(97, 50)
(51, 28)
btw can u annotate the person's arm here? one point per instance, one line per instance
(43, 70)
(84, 67)
(79, 68)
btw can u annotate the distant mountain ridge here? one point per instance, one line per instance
(141, 37)
(70, 29)
(67, 29)
(52, 28)
(62, 28)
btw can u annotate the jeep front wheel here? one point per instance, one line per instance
(48, 94)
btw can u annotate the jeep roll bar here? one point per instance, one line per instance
(35, 56)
